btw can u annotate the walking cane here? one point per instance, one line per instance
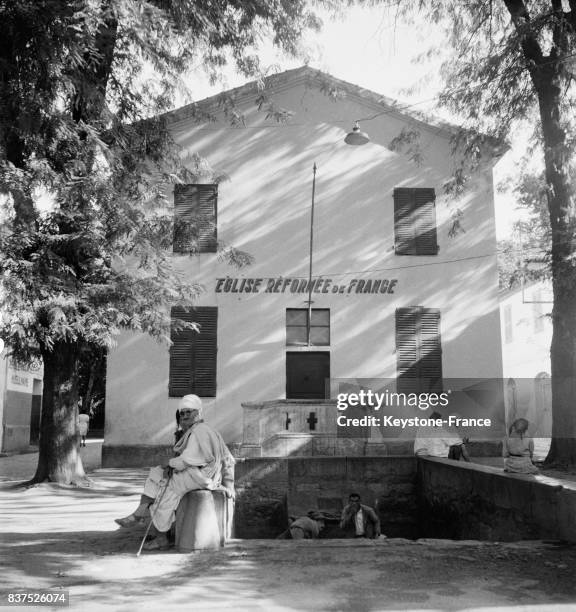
(152, 516)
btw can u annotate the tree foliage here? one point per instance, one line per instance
(513, 60)
(74, 100)
(526, 255)
(85, 171)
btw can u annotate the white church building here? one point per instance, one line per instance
(396, 293)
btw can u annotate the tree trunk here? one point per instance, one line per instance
(563, 224)
(563, 449)
(59, 459)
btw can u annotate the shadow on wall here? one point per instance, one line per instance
(265, 210)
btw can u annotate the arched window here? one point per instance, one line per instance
(511, 400)
(543, 401)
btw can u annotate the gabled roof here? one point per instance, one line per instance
(376, 104)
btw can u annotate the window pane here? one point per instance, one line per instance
(320, 336)
(296, 335)
(296, 316)
(321, 316)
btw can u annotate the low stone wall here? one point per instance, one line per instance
(261, 508)
(471, 501)
(135, 455)
(271, 489)
(424, 497)
(285, 445)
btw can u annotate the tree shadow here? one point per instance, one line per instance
(121, 481)
(102, 567)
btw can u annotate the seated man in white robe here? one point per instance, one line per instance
(202, 461)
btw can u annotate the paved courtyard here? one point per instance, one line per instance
(60, 537)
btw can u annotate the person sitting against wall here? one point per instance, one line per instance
(436, 441)
(304, 527)
(518, 449)
(358, 520)
(202, 461)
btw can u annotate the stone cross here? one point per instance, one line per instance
(312, 420)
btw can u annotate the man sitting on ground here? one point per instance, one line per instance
(436, 441)
(358, 520)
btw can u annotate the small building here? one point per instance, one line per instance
(526, 338)
(20, 403)
(392, 292)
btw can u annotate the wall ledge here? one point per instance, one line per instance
(489, 469)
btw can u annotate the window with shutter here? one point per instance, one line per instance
(193, 354)
(195, 208)
(418, 350)
(415, 221)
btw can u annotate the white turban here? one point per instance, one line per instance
(192, 402)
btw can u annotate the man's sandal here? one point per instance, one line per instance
(130, 521)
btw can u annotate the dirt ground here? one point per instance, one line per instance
(55, 537)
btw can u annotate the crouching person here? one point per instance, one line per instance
(304, 527)
(202, 461)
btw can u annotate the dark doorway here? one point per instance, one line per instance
(36, 410)
(306, 375)
(92, 388)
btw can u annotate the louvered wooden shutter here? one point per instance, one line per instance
(193, 354)
(418, 350)
(415, 221)
(404, 241)
(195, 208)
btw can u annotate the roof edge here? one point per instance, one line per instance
(282, 81)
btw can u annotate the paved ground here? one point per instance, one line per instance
(61, 537)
